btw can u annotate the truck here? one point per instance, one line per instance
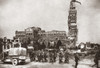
(14, 53)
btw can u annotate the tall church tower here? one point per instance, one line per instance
(72, 23)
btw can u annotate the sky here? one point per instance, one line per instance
(50, 15)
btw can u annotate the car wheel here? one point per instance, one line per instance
(14, 62)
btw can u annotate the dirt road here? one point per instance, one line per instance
(85, 63)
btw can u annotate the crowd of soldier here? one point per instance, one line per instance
(50, 56)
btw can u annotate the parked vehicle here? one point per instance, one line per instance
(14, 53)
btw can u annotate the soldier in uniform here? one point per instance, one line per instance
(66, 56)
(55, 55)
(33, 56)
(76, 59)
(51, 56)
(42, 55)
(96, 58)
(39, 56)
(45, 56)
(61, 56)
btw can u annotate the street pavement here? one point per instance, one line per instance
(85, 63)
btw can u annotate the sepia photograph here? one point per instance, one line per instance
(49, 34)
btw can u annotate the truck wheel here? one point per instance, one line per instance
(14, 61)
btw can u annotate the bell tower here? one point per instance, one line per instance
(72, 23)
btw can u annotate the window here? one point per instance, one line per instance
(73, 17)
(73, 20)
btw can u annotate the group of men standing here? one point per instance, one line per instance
(45, 49)
(50, 55)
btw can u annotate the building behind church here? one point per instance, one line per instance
(37, 33)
